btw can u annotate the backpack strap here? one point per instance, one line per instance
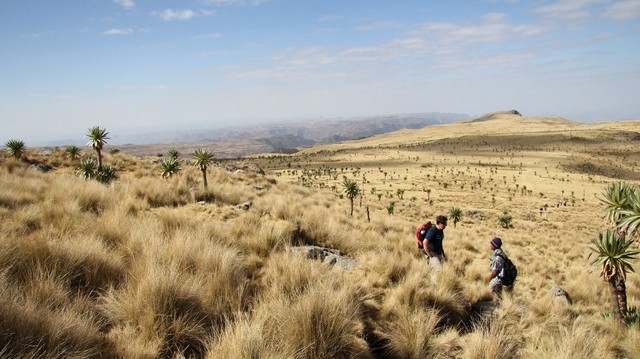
(505, 259)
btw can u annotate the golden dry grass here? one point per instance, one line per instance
(147, 267)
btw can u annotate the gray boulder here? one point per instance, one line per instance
(560, 296)
(331, 257)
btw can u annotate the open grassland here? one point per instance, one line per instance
(147, 267)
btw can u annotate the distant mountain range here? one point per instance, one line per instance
(279, 137)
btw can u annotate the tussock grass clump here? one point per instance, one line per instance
(244, 339)
(386, 269)
(19, 190)
(284, 203)
(322, 323)
(26, 220)
(583, 338)
(156, 192)
(35, 330)
(164, 309)
(421, 291)
(410, 333)
(84, 265)
(262, 236)
(178, 295)
(287, 275)
(94, 197)
(490, 340)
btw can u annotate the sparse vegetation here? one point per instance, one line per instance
(622, 209)
(15, 148)
(614, 255)
(455, 215)
(98, 137)
(105, 174)
(173, 154)
(170, 166)
(505, 220)
(72, 152)
(352, 190)
(203, 159)
(87, 169)
(134, 270)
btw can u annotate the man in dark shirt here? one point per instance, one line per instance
(433, 244)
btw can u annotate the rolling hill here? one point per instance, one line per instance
(252, 265)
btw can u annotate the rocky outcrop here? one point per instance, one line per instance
(245, 206)
(239, 167)
(42, 167)
(560, 296)
(328, 256)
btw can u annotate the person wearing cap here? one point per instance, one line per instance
(433, 244)
(497, 265)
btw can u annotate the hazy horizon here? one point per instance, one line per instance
(140, 67)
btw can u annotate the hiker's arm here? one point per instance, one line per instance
(491, 275)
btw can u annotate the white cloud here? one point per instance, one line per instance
(494, 29)
(127, 31)
(571, 10)
(623, 10)
(182, 14)
(495, 17)
(435, 45)
(127, 4)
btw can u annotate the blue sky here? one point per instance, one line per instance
(153, 65)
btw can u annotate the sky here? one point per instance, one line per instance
(137, 66)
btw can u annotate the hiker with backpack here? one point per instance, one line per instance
(503, 271)
(430, 239)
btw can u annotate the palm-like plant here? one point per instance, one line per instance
(622, 207)
(613, 255)
(455, 214)
(87, 168)
(170, 166)
(351, 189)
(505, 220)
(72, 152)
(615, 199)
(106, 174)
(15, 148)
(173, 153)
(391, 207)
(98, 137)
(630, 215)
(203, 159)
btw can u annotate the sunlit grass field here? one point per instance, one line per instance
(146, 267)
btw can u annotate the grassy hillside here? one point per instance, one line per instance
(147, 267)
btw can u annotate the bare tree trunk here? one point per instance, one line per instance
(368, 217)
